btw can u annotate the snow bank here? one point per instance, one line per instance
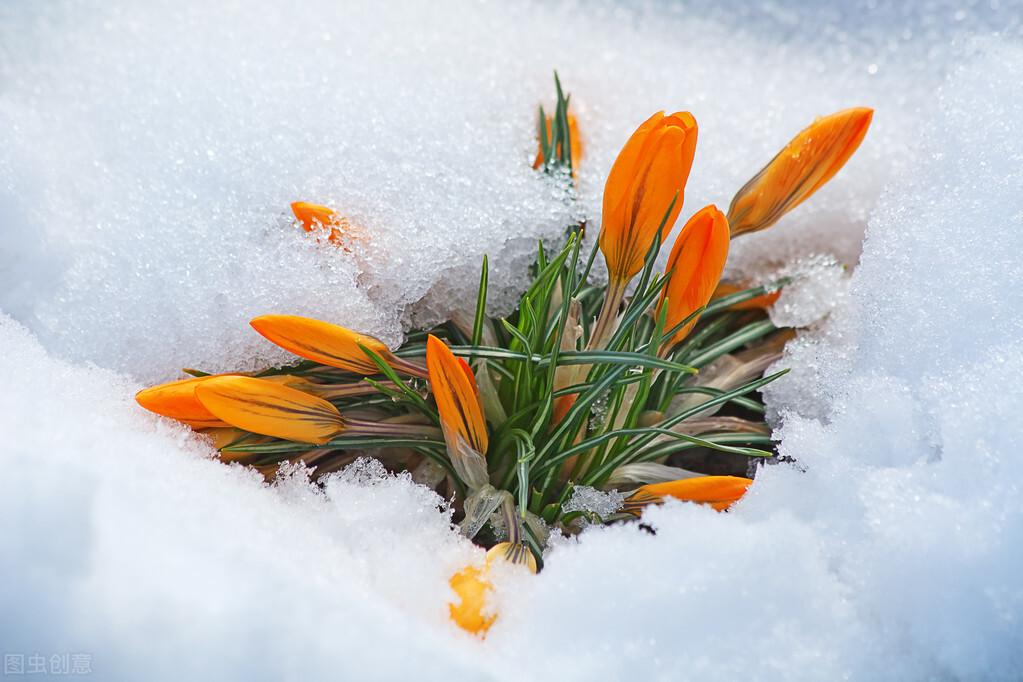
(124, 540)
(147, 157)
(150, 151)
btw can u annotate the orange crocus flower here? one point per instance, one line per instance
(270, 408)
(575, 141)
(176, 399)
(800, 169)
(314, 217)
(458, 399)
(720, 492)
(650, 172)
(322, 342)
(695, 263)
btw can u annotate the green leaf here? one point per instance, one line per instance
(588, 357)
(750, 332)
(748, 294)
(632, 451)
(407, 392)
(481, 305)
(666, 449)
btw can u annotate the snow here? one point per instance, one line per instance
(148, 154)
(587, 499)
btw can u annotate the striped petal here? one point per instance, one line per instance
(176, 399)
(808, 161)
(458, 400)
(720, 492)
(514, 553)
(696, 263)
(652, 168)
(270, 409)
(322, 342)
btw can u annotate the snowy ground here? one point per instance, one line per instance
(148, 152)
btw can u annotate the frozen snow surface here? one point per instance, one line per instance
(148, 153)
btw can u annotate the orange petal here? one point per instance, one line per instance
(458, 401)
(808, 161)
(271, 409)
(696, 263)
(322, 342)
(315, 217)
(650, 171)
(176, 399)
(576, 142)
(562, 405)
(720, 492)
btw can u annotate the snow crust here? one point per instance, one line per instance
(148, 154)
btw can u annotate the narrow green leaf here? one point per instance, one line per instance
(407, 392)
(750, 332)
(481, 305)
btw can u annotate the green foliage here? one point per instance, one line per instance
(615, 403)
(576, 383)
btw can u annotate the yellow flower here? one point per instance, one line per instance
(472, 586)
(720, 492)
(270, 408)
(695, 263)
(651, 171)
(800, 169)
(176, 399)
(322, 342)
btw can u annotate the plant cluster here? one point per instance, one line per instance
(647, 383)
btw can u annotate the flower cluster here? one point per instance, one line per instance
(647, 384)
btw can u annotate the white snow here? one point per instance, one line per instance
(587, 499)
(148, 153)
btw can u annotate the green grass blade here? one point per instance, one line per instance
(750, 332)
(481, 305)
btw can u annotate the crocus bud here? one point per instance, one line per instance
(322, 342)
(314, 217)
(720, 492)
(176, 400)
(271, 409)
(650, 172)
(800, 169)
(696, 263)
(461, 411)
(472, 585)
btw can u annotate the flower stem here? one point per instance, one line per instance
(608, 317)
(358, 426)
